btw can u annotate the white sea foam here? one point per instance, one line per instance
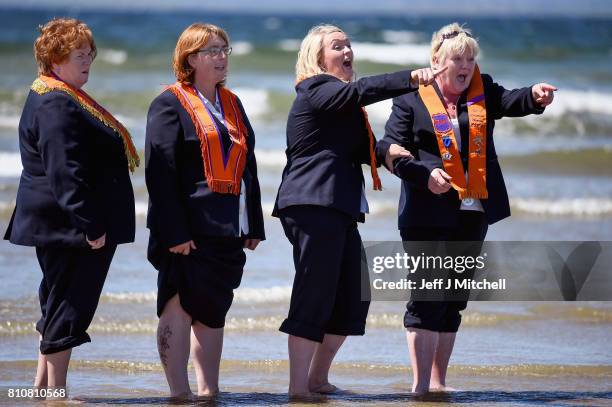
(289, 45)
(254, 101)
(572, 100)
(244, 296)
(270, 158)
(576, 207)
(400, 54)
(241, 47)
(10, 121)
(402, 37)
(10, 164)
(113, 56)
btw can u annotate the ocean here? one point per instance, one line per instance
(557, 167)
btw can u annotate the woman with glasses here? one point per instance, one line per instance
(321, 198)
(204, 206)
(453, 187)
(75, 201)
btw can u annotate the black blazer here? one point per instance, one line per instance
(181, 207)
(75, 179)
(410, 126)
(327, 140)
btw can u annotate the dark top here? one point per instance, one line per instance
(327, 140)
(181, 206)
(410, 126)
(75, 179)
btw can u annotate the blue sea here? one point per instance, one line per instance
(557, 167)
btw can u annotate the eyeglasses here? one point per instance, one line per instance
(216, 51)
(451, 35)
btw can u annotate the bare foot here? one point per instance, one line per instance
(325, 388)
(187, 396)
(308, 397)
(441, 388)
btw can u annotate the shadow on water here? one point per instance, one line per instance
(463, 397)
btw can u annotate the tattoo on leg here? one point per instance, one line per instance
(162, 343)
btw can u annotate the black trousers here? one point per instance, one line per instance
(69, 293)
(328, 255)
(443, 316)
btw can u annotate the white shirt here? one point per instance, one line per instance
(477, 205)
(243, 215)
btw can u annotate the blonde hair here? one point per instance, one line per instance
(452, 39)
(57, 39)
(191, 40)
(311, 52)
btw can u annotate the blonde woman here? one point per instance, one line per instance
(205, 206)
(453, 186)
(321, 198)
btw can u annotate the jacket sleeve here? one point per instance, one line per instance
(66, 157)
(509, 103)
(162, 173)
(255, 212)
(398, 130)
(335, 95)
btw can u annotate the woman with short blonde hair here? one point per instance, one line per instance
(321, 198)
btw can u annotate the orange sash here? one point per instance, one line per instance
(477, 168)
(44, 84)
(377, 184)
(223, 170)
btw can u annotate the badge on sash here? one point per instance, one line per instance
(468, 201)
(447, 156)
(447, 141)
(441, 122)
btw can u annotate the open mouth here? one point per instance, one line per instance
(348, 64)
(461, 78)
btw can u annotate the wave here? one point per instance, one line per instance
(241, 47)
(289, 44)
(255, 101)
(397, 54)
(523, 369)
(245, 296)
(10, 121)
(471, 319)
(576, 207)
(112, 56)
(10, 164)
(403, 37)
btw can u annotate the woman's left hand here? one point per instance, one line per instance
(251, 244)
(543, 93)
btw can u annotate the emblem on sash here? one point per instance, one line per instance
(447, 141)
(447, 156)
(441, 122)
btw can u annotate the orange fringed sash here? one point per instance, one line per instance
(223, 171)
(377, 184)
(44, 84)
(477, 169)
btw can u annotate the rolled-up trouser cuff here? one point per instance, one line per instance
(302, 330)
(49, 347)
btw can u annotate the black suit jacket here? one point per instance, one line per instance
(410, 126)
(181, 206)
(327, 140)
(75, 179)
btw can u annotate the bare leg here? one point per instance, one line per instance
(41, 370)
(173, 346)
(57, 370)
(446, 341)
(206, 347)
(300, 356)
(318, 377)
(421, 346)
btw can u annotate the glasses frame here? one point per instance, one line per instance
(215, 51)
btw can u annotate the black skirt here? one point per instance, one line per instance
(204, 280)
